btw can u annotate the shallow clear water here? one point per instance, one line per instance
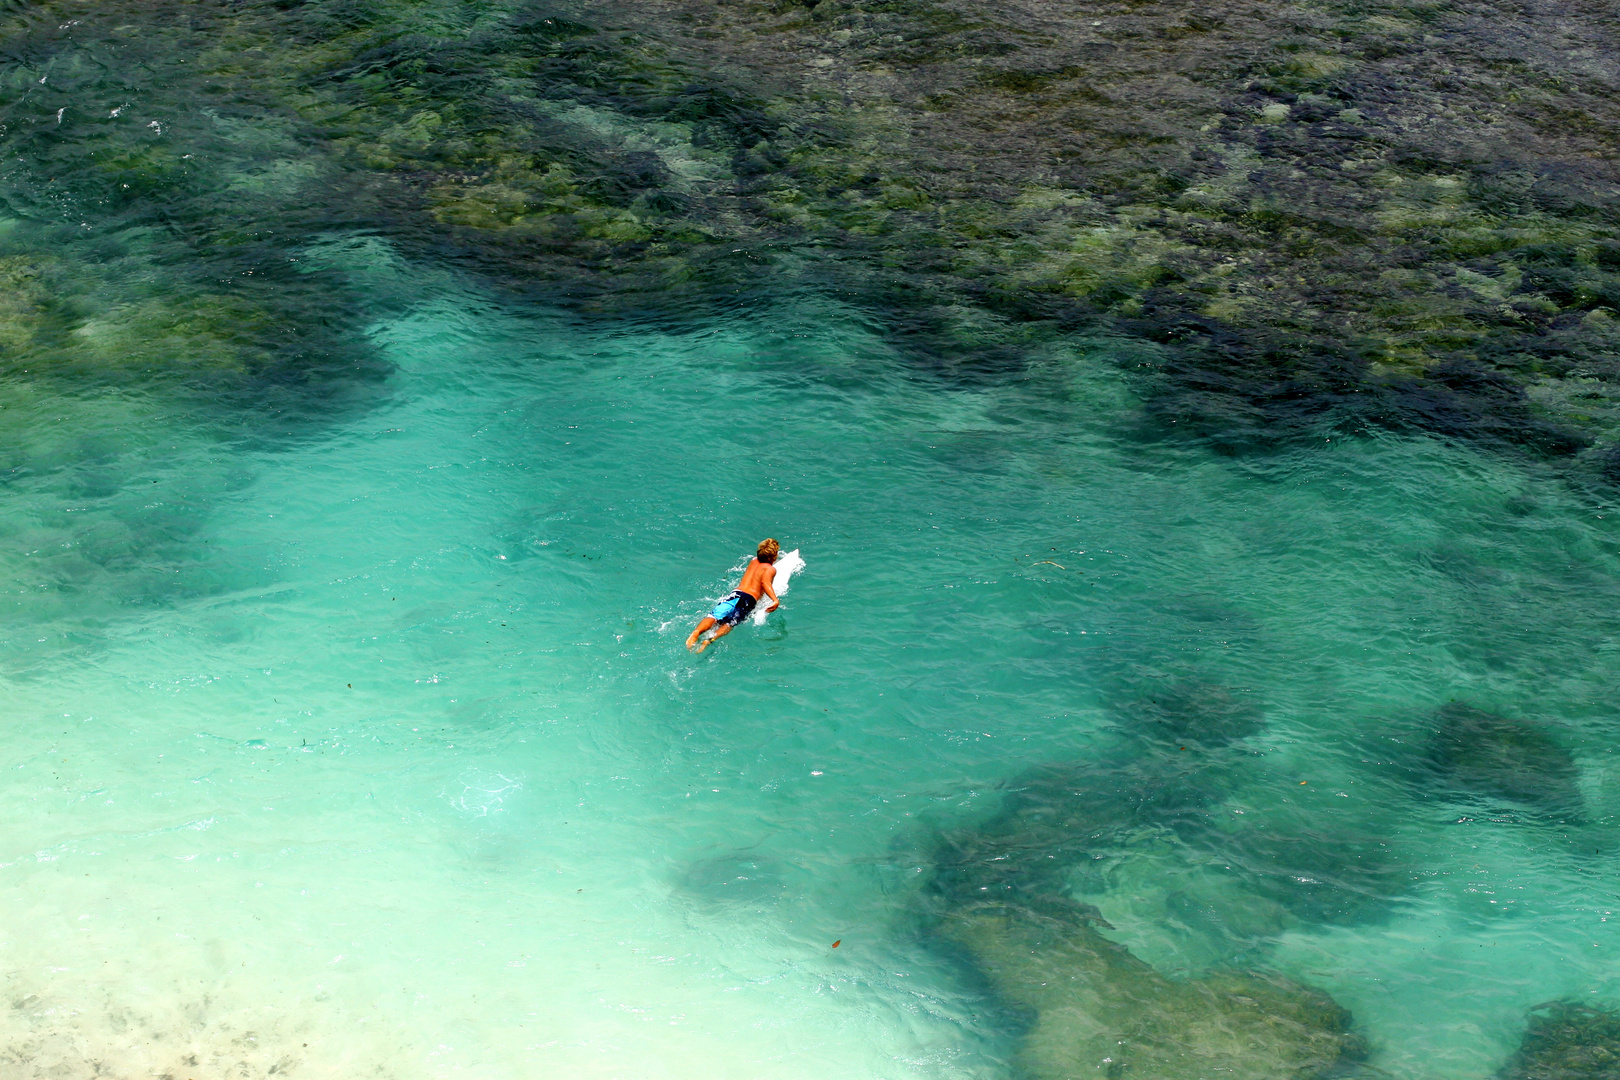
(373, 749)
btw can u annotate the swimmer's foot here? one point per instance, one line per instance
(704, 645)
(691, 641)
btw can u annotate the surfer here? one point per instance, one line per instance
(756, 580)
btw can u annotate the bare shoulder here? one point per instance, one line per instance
(759, 572)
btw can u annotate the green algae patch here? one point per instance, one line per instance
(61, 317)
(25, 299)
(213, 332)
(1567, 1040)
(1289, 199)
(156, 215)
(1098, 1010)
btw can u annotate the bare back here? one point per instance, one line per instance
(758, 579)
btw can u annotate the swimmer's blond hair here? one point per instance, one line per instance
(768, 549)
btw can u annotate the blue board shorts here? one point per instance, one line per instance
(734, 608)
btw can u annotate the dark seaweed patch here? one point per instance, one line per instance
(1482, 753)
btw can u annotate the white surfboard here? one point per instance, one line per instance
(787, 564)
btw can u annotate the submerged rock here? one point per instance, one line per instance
(1003, 893)
(1321, 867)
(1053, 817)
(1567, 1040)
(1483, 753)
(1098, 1010)
(1315, 859)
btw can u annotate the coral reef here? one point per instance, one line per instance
(1567, 1040)
(1316, 224)
(1315, 213)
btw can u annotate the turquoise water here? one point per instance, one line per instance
(369, 747)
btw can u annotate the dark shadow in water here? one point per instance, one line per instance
(1476, 752)
(1319, 867)
(1191, 712)
(744, 879)
(1333, 871)
(736, 878)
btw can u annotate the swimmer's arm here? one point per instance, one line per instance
(770, 576)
